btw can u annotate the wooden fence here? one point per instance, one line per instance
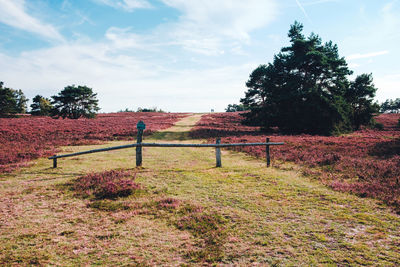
(141, 126)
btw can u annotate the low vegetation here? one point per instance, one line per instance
(186, 212)
(24, 139)
(106, 185)
(104, 189)
(366, 162)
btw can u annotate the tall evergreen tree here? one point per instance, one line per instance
(305, 89)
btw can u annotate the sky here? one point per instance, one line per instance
(183, 55)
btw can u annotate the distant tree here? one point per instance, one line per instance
(306, 90)
(11, 101)
(21, 101)
(235, 108)
(126, 110)
(391, 106)
(153, 109)
(41, 106)
(8, 102)
(74, 102)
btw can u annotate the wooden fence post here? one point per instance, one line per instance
(140, 126)
(218, 153)
(267, 153)
(55, 162)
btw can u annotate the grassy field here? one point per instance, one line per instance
(188, 212)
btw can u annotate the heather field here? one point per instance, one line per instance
(366, 162)
(27, 138)
(179, 210)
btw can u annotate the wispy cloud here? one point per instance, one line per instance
(302, 9)
(127, 5)
(231, 18)
(13, 14)
(141, 82)
(367, 55)
(205, 26)
(317, 2)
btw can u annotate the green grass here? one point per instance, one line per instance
(189, 212)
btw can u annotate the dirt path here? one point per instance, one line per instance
(180, 131)
(189, 212)
(185, 124)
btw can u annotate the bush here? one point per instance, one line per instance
(168, 203)
(115, 189)
(106, 185)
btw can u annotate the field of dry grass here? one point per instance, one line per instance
(187, 212)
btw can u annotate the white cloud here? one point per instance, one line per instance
(232, 18)
(123, 39)
(121, 79)
(127, 5)
(155, 68)
(213, 27)
(13, 14)
(367, 55)
(207, 27)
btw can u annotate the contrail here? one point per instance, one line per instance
(302, 9)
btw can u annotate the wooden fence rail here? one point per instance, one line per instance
(139, 146)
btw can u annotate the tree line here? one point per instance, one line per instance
(391, 106)
(72, 102)
(306, 89)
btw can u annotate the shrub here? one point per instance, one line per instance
(168, 203)
(115, 189)
(109, 184)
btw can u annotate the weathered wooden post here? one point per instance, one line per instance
(267, 153)
(218, 153)
(140, 127)
(55, 162)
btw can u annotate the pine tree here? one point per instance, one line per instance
(74, 102)
(306, 90)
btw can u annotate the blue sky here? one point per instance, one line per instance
(182, 55)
